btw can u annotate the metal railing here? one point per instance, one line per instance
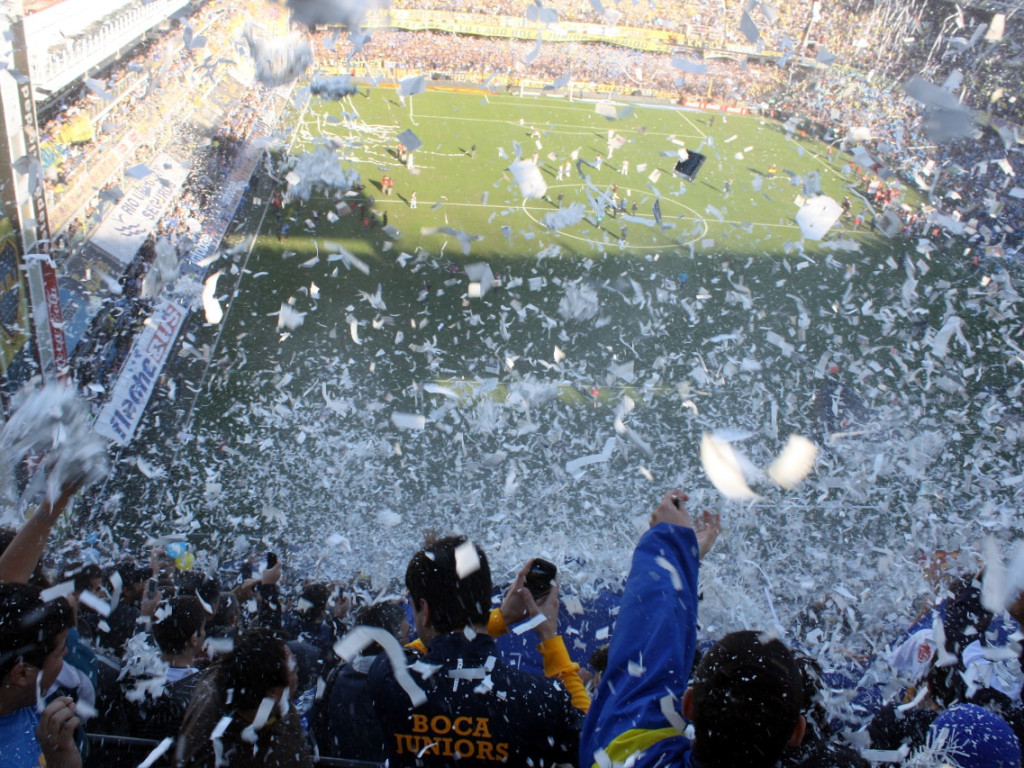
(97, 741)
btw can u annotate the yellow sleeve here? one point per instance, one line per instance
(496, 624)
(418, 646)
(558, 664)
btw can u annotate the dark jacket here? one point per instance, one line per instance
(280, 743)
(342, 723)
(156, 718)
(478, 710)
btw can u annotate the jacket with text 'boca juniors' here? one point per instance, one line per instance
(479, 710)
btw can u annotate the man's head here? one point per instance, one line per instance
(86, 577)
(228, 612)
(745, 702)
(386, 615)
(313, 601)
(259, 666)
(443, 601)
(133, 580)
(32, 638)
(203, 586)
(181, 628)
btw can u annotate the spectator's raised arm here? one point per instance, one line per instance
(25, 550)
(557, 662)
(652, 650)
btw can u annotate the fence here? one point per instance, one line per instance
(110, 751)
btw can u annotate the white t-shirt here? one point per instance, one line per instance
(174, 674)
(994, 667)
(911, 659)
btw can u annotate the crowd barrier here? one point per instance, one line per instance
(129, 750)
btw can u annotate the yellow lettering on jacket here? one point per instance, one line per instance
(429, 737)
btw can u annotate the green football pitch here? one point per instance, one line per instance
(472, 191)
(547, 415)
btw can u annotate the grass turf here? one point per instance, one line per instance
(476, 194)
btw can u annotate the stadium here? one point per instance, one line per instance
(329, 280)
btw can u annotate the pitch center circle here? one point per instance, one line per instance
(628, 246)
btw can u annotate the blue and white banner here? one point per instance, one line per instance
(137, 380)
(123, 232)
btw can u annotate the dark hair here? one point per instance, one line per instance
(812, 679)
(185, 619)
(946, 684)
(228, 611)
(198, 583)
(28, 625)
(454, 602)
(599, 659)
(387, 615)
(130, 572)
(258, 662)
(316, 595)
(747, 698)
(85, 575)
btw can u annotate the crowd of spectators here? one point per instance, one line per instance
(106, 658)
(145, 94)
(101, 353)
(710, 23)
(589, 65)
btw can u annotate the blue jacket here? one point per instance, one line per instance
(650, 657)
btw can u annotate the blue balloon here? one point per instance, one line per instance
(176, 549)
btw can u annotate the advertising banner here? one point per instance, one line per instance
(124, 231)
(137, 379)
